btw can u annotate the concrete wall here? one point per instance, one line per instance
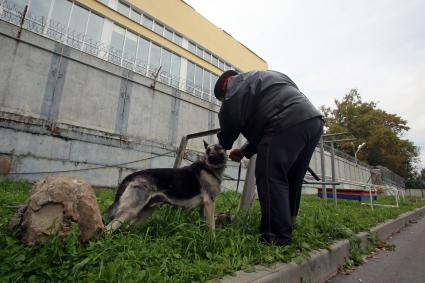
(61, 109)
(415, 193)
(43, 79)
(346, 171)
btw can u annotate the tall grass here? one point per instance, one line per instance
(175, 244)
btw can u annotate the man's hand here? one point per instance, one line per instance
(236, 154)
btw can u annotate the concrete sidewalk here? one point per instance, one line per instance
(323, 264)
(404, 264)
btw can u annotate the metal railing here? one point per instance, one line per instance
(19, 16)
(346, 156)
(390, 178)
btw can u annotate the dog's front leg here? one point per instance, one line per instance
(117, 222)
(209, 207)
(202, 211)
(142, 216)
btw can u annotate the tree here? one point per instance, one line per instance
(381, 131)
(417, 180)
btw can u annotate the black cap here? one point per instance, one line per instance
(220, 88)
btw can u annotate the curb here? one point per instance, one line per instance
(322, 264)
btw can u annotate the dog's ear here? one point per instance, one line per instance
(205, 144)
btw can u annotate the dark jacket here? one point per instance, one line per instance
(261, 102)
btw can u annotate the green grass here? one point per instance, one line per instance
(175, 245)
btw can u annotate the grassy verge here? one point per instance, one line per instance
(175, 245)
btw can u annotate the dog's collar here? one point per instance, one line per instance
(209, 170)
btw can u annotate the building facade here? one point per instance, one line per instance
(100, 89)
(165, 39)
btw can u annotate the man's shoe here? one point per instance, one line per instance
(272, 239)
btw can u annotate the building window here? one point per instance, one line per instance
(143, 50)
(206, 85)
(192, 47)
(165, 66)
(117, 43)
(130, 46)
(168, 34)
(61, 12)
(155, 56)
(221, 64)
(95, 27)
(207, 56)
(94, 33)
(190, 77)
(19, 3)
(78, 25)
(158, 28)
(79, 17)
(214, 79)
(73, 25)
(214, 61)
(147, 22)
(123, 8)
(198, 80)
(199, 51)
(135, 16)
(175, 70)
(178, 39)
(166, 61)
(40, 8)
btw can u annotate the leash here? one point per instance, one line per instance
(239, 177)
(226, 217)
(313, 174)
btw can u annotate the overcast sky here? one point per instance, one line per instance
(330, 46)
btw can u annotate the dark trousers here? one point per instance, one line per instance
(282, 161)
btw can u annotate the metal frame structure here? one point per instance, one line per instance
(322, 156)
(248, 192)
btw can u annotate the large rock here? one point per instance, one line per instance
(54, 203)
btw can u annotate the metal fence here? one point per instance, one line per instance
(387, 177)
(390, 178)
(346, 156)
(18, 16)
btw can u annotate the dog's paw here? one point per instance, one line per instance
(224, 218)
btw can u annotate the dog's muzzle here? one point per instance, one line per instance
(216, 159)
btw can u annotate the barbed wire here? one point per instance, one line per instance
(52, 29)
(92, 168)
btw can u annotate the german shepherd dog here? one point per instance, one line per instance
(192, 186)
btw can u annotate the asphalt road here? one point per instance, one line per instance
(405, 264)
